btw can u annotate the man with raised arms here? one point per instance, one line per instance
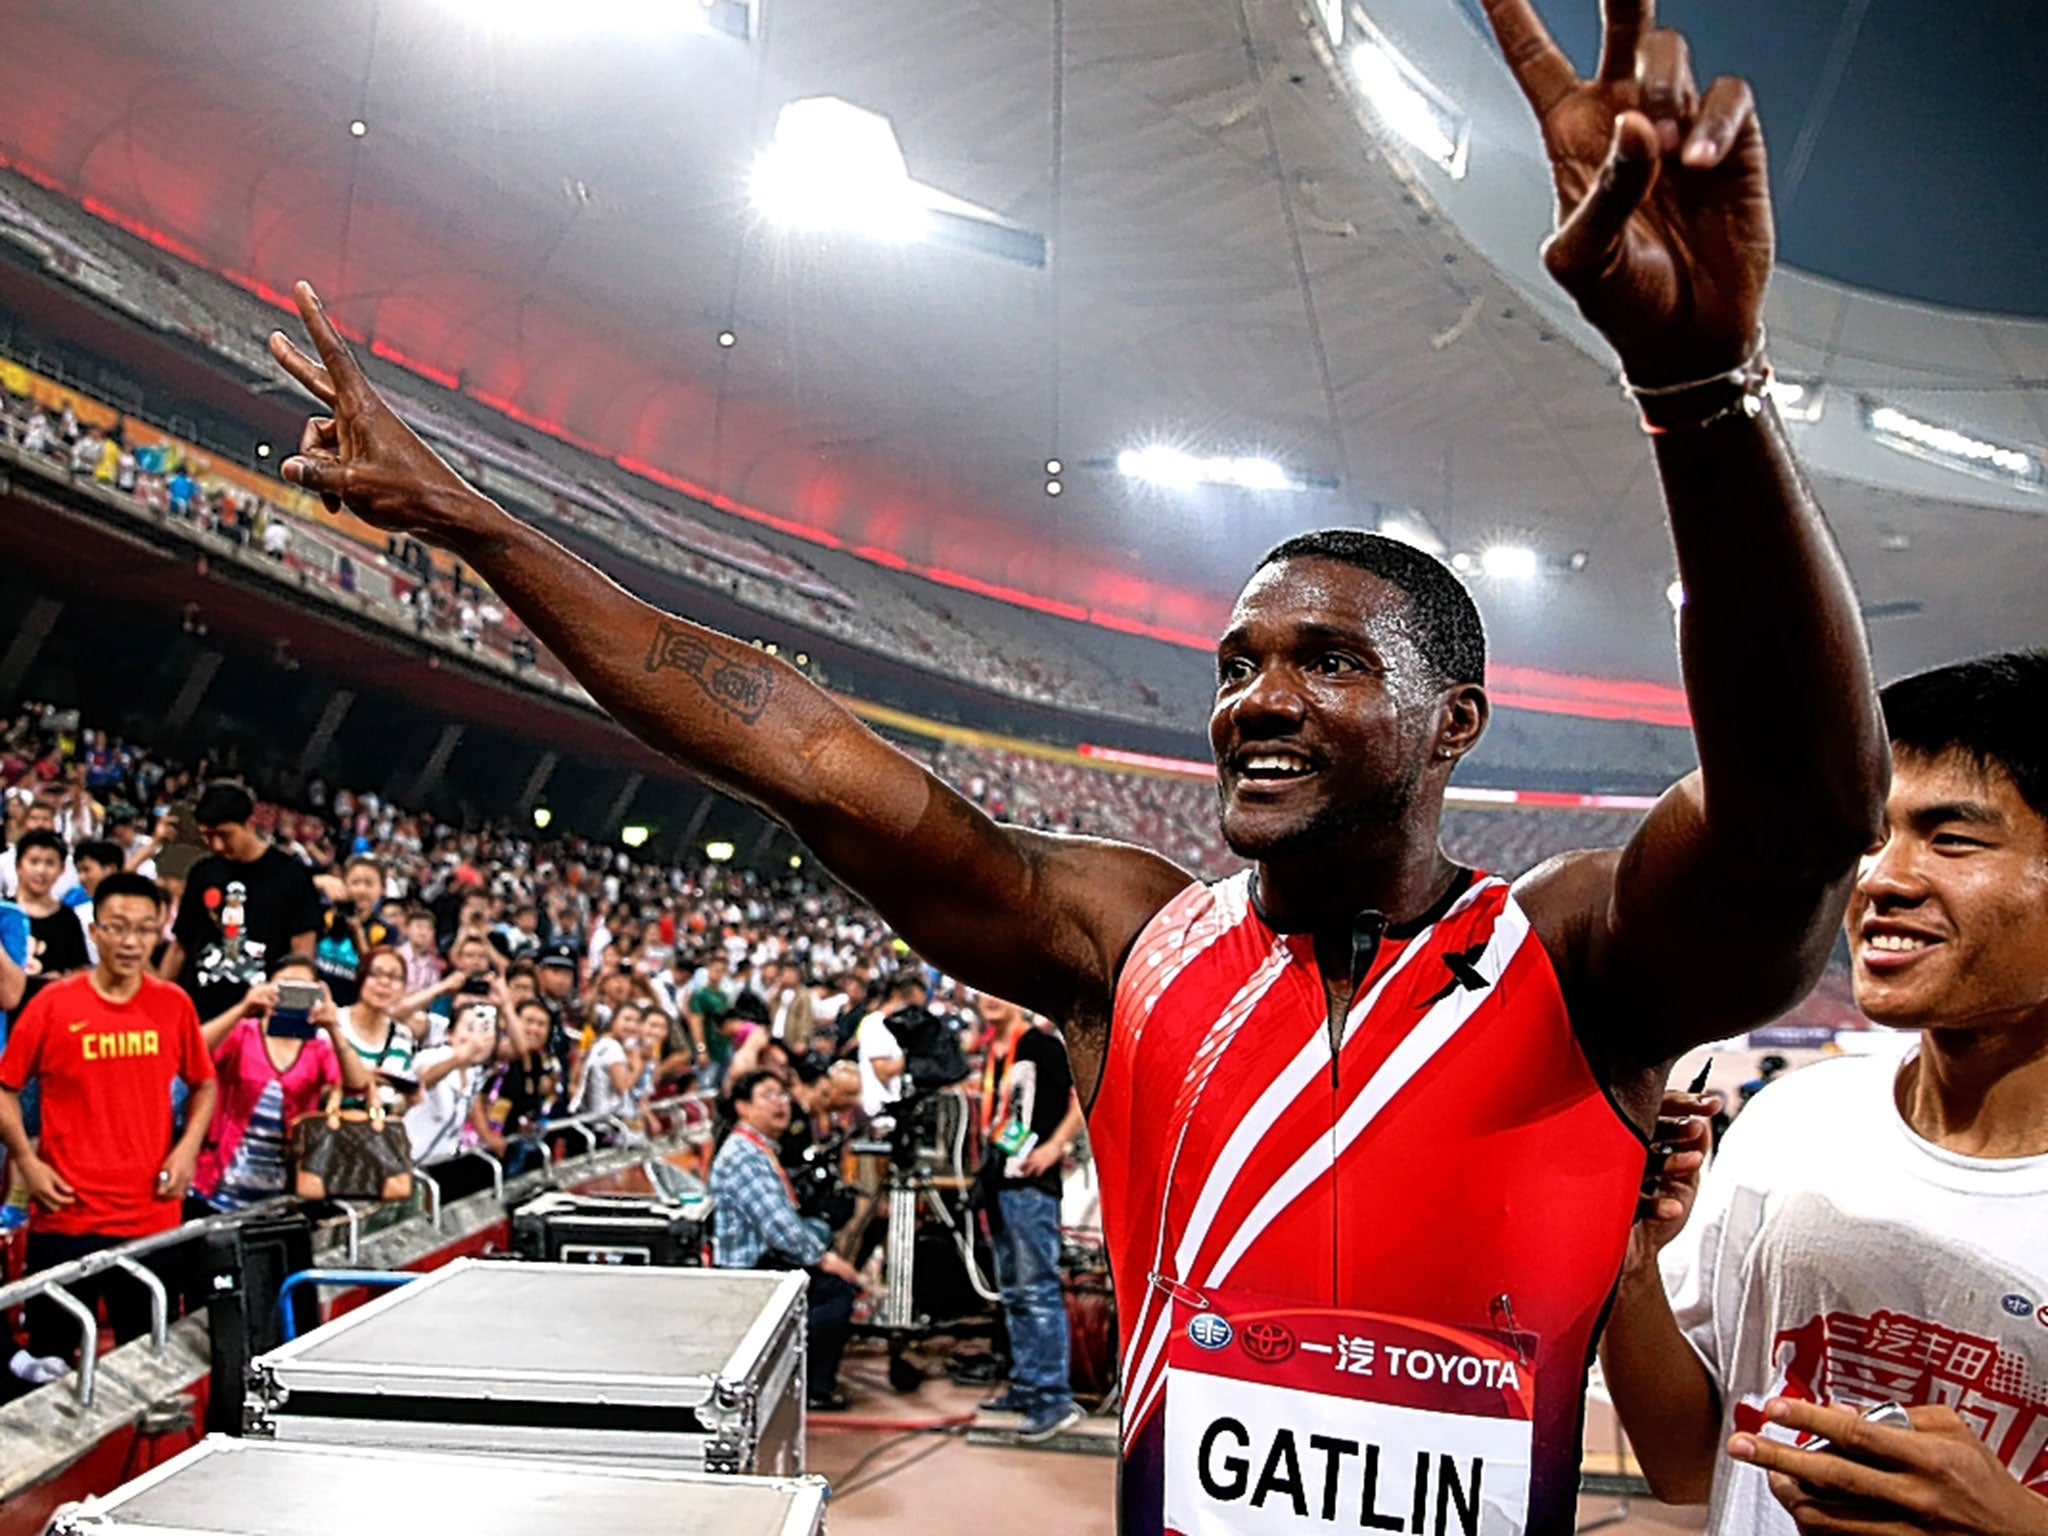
(1370, 1125)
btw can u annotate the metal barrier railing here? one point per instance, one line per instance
(692, 1109)
(381, 1279)
(126, 1258)
(688, 1108)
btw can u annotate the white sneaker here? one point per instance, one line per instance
(39, 1370)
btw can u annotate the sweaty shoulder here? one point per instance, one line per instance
(1105, 894)
(1566, 899)
(1112, 891)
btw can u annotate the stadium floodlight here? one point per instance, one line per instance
(1166, 466)
(718, 853)
(1675, 594)
(1409, 106)
(1957, 450)
(1513, 562)
(634, 836)
(832, 165)
(542, 816)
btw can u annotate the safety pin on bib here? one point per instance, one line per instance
(1180, 1292)
(1503, 1310)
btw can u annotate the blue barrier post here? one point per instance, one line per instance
(371, 1277)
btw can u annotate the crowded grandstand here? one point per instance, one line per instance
(1169, 769)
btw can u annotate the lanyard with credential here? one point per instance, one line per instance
(996, 1080)
(774, 1161)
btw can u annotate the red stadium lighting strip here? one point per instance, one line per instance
(1531, 688)
(391, 354)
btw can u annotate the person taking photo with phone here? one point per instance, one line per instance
(1875, 1232)
(277, 1055)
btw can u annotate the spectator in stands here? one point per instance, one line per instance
(14, 942)
(519, 937)
(103, 1048)
(220, 945)
(795, 1010)
(422, 950)
(450, 1075)
(138, 853)
(709, 1006)
(508, 1110)
(1030, 1115)
(267, 1081)
(472, 973)
(838, 1010)
(611, 1068)
(94, 860)
(38, 815)
(350, 927)
(372, 1028)
(57, 945)
(755, 1225)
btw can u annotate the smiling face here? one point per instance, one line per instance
(365, 886)
(1948, 921)
(1327, 718)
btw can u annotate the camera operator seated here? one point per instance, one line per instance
(755, 1225)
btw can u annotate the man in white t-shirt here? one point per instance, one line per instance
(450, 1074)
(1875, 1231)
(880, 1053)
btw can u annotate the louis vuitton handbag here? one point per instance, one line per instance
(350, 1154)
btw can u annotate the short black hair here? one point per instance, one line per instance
(222, 802)
(744, 1085)
(1990, 709)
(1448, 631)
(100, 851)
(125, 882)
(41, 837)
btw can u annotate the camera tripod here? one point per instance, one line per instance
(911, 1189)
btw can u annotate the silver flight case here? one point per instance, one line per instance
(699, 1369)
(223, 1487)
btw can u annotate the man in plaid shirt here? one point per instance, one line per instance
(755, 1225)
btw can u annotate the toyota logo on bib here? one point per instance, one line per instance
(1267, 1342)
(1210, 1330)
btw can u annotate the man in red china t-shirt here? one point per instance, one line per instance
(104, 1047)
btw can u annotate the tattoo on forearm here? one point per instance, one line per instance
(742, 688)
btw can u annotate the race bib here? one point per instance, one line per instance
(1286, 1418)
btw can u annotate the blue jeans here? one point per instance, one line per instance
(1034, 1302)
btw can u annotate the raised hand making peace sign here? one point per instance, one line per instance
(363, 454)
(1663, 202)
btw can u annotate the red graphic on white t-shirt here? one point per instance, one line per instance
(1894, 1357)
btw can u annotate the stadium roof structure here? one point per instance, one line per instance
(1237, 259)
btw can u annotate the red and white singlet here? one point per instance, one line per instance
(1454, 1164)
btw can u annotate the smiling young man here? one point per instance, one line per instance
(103, 1048)
(1874, 1232)
(1330, 1097)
